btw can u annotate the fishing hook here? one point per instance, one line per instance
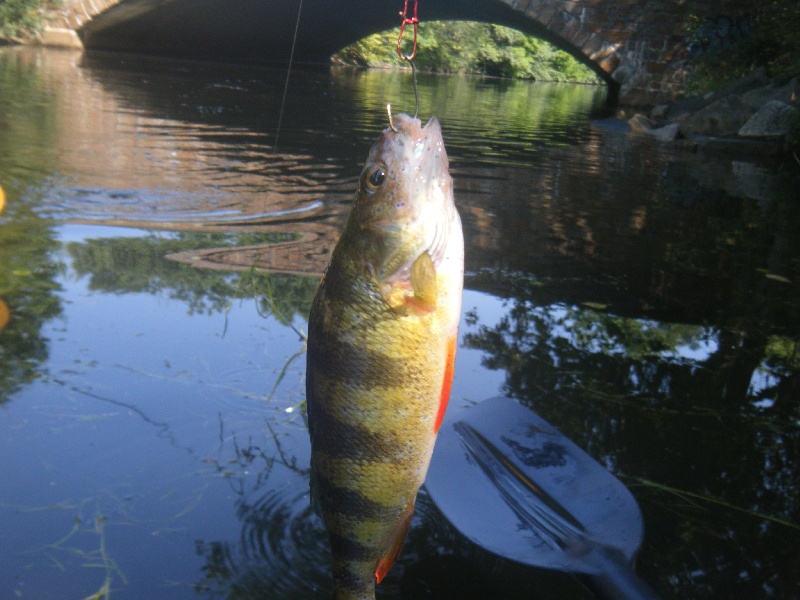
(408, 21)
(391, 124)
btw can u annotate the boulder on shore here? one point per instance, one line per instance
(752, 109)
(771, 120)
(723, 117)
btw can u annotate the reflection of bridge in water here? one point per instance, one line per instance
(590, 235)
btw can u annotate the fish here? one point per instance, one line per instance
(382, 337)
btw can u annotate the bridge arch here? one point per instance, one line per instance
(638, 46)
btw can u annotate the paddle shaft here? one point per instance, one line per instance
(617, 581)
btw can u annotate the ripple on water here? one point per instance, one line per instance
(282, 552)
(167, 206)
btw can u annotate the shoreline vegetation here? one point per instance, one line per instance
(470, 48)
(20, 19)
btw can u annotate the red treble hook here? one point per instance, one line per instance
(408, 21)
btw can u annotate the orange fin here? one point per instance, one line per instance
(394, 549)
(447, 383)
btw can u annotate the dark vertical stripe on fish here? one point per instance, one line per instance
(363, 444)
(367, 368)
(352, 503)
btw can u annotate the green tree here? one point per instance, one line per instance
(469, 47)
(18, 17)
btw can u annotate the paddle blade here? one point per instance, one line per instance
(514, 485)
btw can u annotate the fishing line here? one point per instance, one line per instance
(288, 73)
(416, 91)
(409, 58)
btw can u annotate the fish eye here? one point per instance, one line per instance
(376, 178)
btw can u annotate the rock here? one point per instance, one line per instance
(639, 123)
(771, 120)
(756, 79)
(758, 97)
(667, 133)
(723, 117)
(659, 112)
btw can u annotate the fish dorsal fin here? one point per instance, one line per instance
(423, 283)
(396, 545)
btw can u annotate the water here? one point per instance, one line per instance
(158, 256)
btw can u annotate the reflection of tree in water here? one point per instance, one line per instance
(28, 288)
(124, 265)
(705, 409)
(27, 270)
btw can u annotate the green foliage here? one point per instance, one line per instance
(19, 16)
(468, 47)
(776, 32)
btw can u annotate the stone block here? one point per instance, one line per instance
(603, 52)
(570, 28)
(579, 39)
(548, 13)
(535, 8)
(559, 20)
(610, 62)
(616, 37)
(592, 45)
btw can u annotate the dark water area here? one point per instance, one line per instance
(161, 243)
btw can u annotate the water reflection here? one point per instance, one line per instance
(158, 258)
(28, 290)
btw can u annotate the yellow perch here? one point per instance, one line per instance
(381, 346)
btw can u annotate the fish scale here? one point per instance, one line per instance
(381, 346)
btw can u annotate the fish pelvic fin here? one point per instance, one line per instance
(447, 382)
(398, 538)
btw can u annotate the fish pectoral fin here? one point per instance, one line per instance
(417, 295)
(395, 546)
(423, 281)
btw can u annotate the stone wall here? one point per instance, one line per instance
(642, 45)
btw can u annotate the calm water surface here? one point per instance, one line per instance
(158, 256)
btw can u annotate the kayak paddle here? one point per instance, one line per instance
(514, 485)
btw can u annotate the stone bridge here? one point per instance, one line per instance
(639, 47)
